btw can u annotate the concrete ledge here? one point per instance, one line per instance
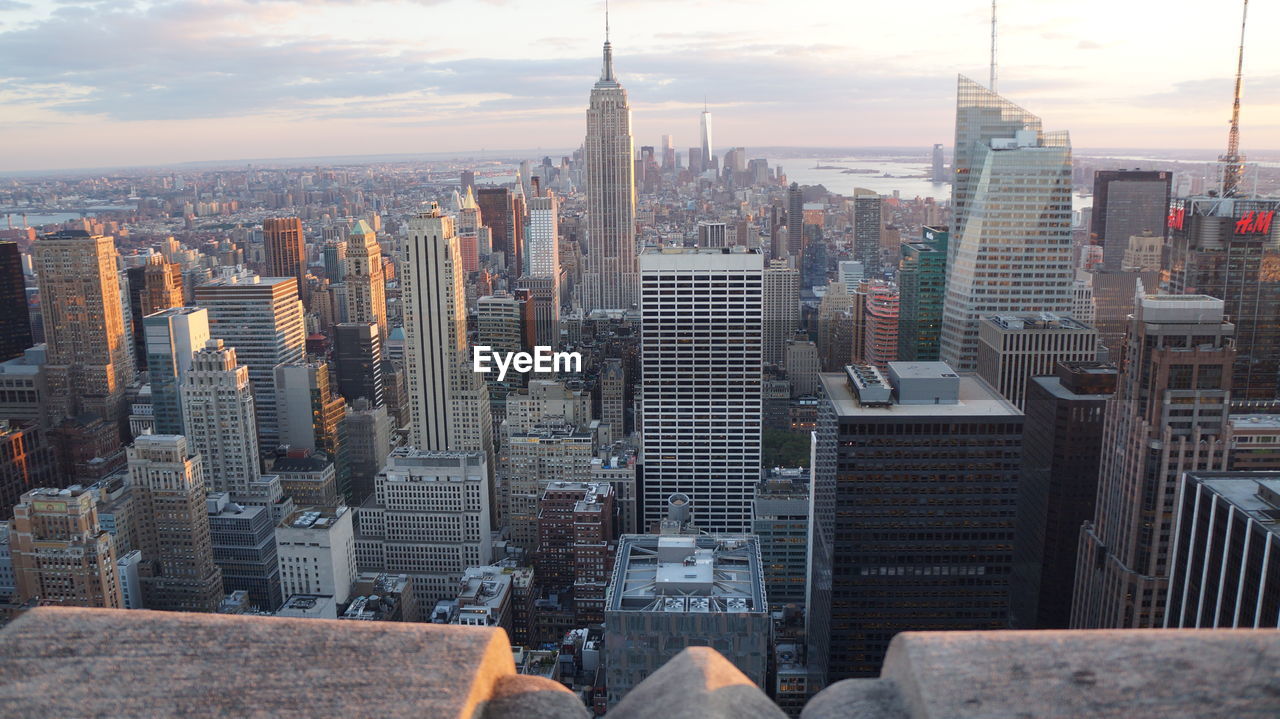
(60, 662)
(1125, 674)
(697, 683)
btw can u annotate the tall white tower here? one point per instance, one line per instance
(610, 280)
(701, 348)
(217, 412)
(448, 402)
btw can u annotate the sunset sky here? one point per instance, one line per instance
(115, 82)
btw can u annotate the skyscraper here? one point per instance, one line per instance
(1168, 416)
(1013, 348)
(922, 288)
(366, 287)
(218, 414)
(286, 250)
(1016, 181)
(494, 205)
(939, 174)
(178, 573)
(701, 353)
(448, 402)
(915, 480)
(866, 230)
(172, 337)
(708, 151)
(60, 552)
(795, 220)
(1127, 203)
(609, 278)
(1229, 248)
(15, 324)
(357, 349)
(262, 319)
(781, 298)
(89, 362)
(544, 264)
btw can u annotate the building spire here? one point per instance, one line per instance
(992, 82)
(1233, 161)
(606, 73)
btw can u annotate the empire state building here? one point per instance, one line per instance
(610, 278)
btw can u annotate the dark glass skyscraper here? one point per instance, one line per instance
(1127, 203)
(922, 288)
(15, 322)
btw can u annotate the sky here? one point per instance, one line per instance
(98, 83)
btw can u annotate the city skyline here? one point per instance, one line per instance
(374, 91)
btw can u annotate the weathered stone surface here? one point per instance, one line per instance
(522, 696)
(698, 683)
(857, 699)
(60, 662)
(1125, 674)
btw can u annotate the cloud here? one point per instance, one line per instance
(6, 5)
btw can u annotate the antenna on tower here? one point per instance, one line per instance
(606, 20)
(992, 82)
(1233, 161)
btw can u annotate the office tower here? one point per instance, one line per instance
(696, 165)
(813, 262)
(717, 601)
(261, 318)
(307, 477)
(795, 220)
(1127, 203)
(1229, 248)
(803, 366)
(1255, 442)
(781, 290)
(880, 324)
(613, 388)
(467, 180)
(668, 154)
(708, 152)
(172, 338)
(310, 410)
(154, 286)
(887, 563)
(429, 519)
(711, 234)
(218, 414)
(15, 325)
(1168, 416)
(1062, 448)
(1143, 253)
(448, 402)
(178, 573)
(780, 519)
(470, 227)
(286, 249)
(701, 353)
(244, 548)
(575, 547)
(549, 451)
(609, 276)
(1223, 573)
(495, 210)
(89, 363)
(1013, 348)
(544, 261)
(335, 260)
(1113, 299)
(866, 230)
(366, 287)
(357, 349)
(841, 328)
(366, 441)
(60, 553)
(850, 273)
(1084, 307)
(317, 550)
(26, 462)
(922, 289)
(939, 173)
(540, 311)
(498, 324)
(1017, 181)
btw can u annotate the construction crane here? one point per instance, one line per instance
(1233, 161)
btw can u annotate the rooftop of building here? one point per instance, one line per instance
(484, 587)
(1255, 494)
(314, 517)
(309, 606)
(1255, 422)
(1036, 321)
(405, 457)
(697, 574)
(1053, 385)
(974, 398)
(298, 465)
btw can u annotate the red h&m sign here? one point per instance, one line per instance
(1255, 223)
(1177, 217)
